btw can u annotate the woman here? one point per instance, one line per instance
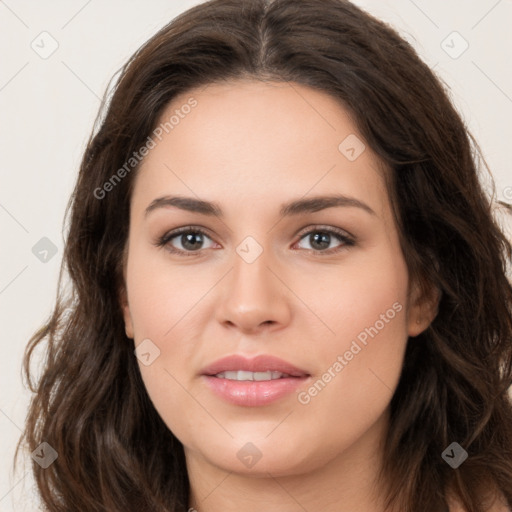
(289, 290)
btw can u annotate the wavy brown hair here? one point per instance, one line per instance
(114, 451)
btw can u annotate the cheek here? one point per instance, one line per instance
(358, 374)
(363, 362)
(160, 293)
(367, 290)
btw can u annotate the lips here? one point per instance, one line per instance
(262, 363)
(253, 382)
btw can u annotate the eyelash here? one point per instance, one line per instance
(341, 235)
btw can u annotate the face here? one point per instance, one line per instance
(285, 254)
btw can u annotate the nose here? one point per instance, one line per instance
(253, 296)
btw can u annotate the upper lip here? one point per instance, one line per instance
(261, 363)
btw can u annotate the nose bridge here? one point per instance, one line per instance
(251, 280)
(252, 295)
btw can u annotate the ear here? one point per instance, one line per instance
(122, 293)
(423, 308)
(128, 323)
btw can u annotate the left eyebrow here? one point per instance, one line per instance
(313, 204)
(317, 203)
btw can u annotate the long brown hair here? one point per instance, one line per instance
(90, 405)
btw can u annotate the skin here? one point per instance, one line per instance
(250, 147)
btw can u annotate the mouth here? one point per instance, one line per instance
(253, 382)
(262, 367)
(242, 375)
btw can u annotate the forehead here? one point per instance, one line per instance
(258, 141)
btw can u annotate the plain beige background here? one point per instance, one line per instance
(48, 102)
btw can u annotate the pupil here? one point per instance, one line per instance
(321, 238)
(191, 241)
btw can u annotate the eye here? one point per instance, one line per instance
(320, 239)
(189, 239)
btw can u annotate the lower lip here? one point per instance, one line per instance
(253, 393)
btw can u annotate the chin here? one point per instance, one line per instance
(262, 456)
